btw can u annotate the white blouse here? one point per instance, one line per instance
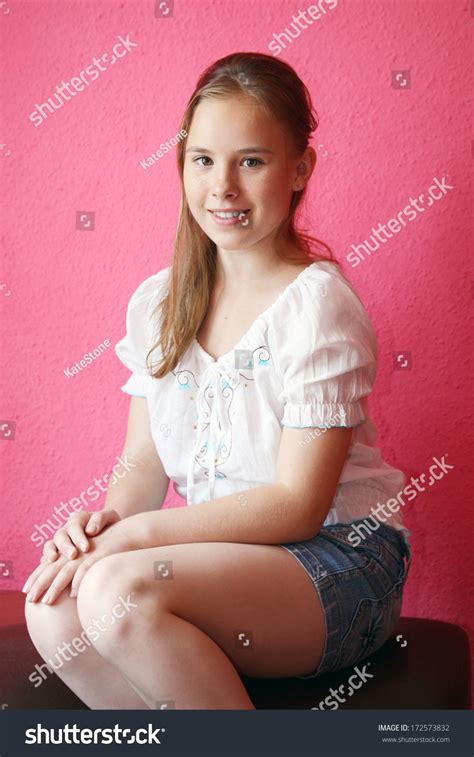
(308, 361)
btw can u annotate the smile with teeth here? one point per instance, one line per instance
(229, 213)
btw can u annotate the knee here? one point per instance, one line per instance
(105, 601)
(101, 582)
(48, 624)
(114, 597)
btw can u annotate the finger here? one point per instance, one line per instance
(76, 532)
(95, 524)
(44, 580)
(98, 521)
(34, 575)
(34, 581)
(66, 544)
(50, 551)
(59, 583)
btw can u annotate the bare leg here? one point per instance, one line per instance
(171, 660)
(97, 683)
(226, 609)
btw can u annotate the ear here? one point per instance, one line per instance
(305, 166)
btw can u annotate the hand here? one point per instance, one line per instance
(71, 539)
(54, 577)
(51, 578)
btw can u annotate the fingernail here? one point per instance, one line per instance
(73, 593)
(70, 552)
(30, 597)
(92, 527)
(46, 599)
(84, 545)
(26, 587)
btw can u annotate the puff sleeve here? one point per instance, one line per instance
(327, 355)
(142, 331)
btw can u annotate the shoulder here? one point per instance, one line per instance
(323, 294)
(141, 325)
(322, 321)
(150, 291)
(143, 303)
(328, 287)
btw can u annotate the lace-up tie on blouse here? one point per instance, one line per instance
(213, 425)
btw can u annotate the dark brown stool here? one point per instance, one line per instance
(431, 671)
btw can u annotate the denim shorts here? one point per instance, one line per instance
(360, 588)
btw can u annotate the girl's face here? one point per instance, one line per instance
(239, 160)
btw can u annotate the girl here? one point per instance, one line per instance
(251, 361)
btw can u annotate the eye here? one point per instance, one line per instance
(202, 157)
(257, 162)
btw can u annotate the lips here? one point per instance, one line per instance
(230, 217)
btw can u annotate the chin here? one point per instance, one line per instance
(236, 245)
(228, 239)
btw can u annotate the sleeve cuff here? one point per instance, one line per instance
(323, 415)
(136, 385)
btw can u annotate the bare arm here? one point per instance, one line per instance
(144, 486)
(291, 509)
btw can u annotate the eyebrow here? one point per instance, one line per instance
(244, 150)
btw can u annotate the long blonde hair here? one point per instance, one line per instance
(278, 89)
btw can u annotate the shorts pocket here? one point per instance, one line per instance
(396, 557)
(345, 535)
(372, 624)
(390, 540)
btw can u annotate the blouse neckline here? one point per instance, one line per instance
(263, 315)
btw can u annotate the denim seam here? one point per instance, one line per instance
(372, 544)
(389, 542)
(354, 622)
(328, 598)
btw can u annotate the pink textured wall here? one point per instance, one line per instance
(384, 137)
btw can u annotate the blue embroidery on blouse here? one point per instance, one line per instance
(244, 360)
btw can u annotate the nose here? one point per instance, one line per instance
(224, 183)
